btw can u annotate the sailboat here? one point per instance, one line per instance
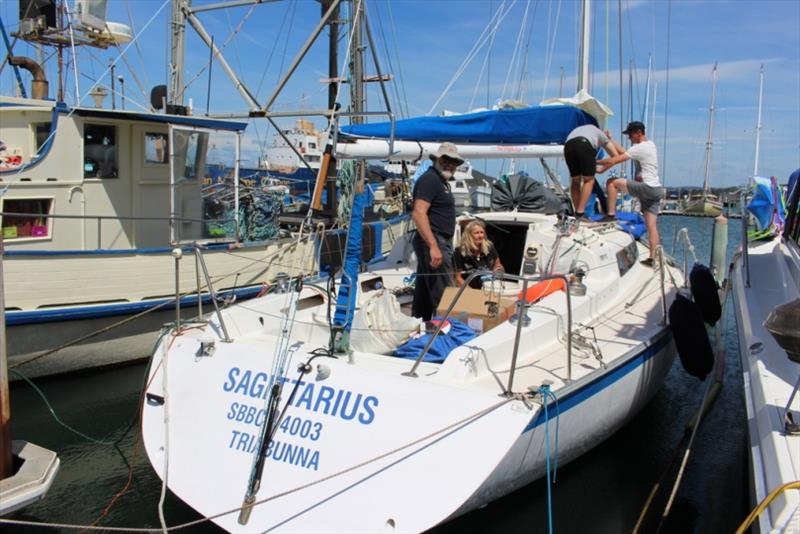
(319, 412)
(766, 299)
(706, 203)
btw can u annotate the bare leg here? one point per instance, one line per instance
(586, 192)
(652, 232)
(575, 191)
(612, 186)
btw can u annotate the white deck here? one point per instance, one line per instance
(769, 377)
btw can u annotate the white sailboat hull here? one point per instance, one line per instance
(769, 377)
(362, 447)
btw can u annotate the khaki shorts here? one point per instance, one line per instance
(650, 197)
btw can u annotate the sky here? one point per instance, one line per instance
(458, 55)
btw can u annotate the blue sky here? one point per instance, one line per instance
(428, 41)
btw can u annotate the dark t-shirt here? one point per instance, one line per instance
(431, 187)
(466, 264)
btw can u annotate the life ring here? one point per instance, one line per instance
(542, 289)
(705, 293)
(691, 339)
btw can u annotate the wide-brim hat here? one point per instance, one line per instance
(450, 150)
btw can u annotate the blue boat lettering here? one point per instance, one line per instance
(244, 413)
(333, 402)
(304, 428)
(277, 451)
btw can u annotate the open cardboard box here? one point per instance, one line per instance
(474, 306)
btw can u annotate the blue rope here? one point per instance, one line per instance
(546, 396)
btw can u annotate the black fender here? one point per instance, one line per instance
(705, 293)
(691, 339)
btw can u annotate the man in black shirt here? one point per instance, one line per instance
(434, 215)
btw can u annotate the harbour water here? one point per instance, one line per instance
(107, 480)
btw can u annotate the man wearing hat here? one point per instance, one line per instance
(434, 215)
(646, 186)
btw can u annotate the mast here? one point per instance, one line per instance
(709, 141)
(583, 70)
(758, 123)
(175, 91)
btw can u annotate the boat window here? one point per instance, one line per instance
(156, 148)
(99, 151)
(190, 154)
(41, 133)
(312, 159)
(29, 219)
(312, 144)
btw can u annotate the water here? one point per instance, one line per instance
(603, 491)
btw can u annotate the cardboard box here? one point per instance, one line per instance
(473, 308)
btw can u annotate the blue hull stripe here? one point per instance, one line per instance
(576, 397)
(14, 318)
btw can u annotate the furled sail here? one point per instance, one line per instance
(540, 125)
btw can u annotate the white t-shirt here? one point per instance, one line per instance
(645, 162)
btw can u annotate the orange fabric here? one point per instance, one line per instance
(542, 289)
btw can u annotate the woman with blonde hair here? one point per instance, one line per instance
(475, 252)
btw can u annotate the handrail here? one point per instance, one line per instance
(106, 217)
(199, 255)
(522, 305)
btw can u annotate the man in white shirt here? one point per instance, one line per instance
(645, 186)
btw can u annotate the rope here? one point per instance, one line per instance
(764, 503)
(55, 416)
(546, 395)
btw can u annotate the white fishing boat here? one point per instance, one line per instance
(98, 203)
(766, 296)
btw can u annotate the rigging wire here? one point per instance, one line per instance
(550, 47)
(666, 95)
(397, 54)
(517, 47)
(485, 67)
(139, 53)
(482, 38)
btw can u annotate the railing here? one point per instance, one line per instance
(522, 307)
(177, 253)
(100, 218)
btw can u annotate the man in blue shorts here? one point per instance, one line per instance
(646, 185)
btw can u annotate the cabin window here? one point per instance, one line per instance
(41, 133)
(313, 159)
(99, 151)
(26, 217)
(190, 154)
(312, 144)
(156, 148)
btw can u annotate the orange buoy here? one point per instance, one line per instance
(542, 289)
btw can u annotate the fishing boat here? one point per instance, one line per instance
(99, 203)
(766, 297)
(339, 412)
(707, 204)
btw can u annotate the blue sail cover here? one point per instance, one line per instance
(539, 125)
(766, 204)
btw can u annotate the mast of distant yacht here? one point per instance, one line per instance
(758, 123)
(709, 140)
